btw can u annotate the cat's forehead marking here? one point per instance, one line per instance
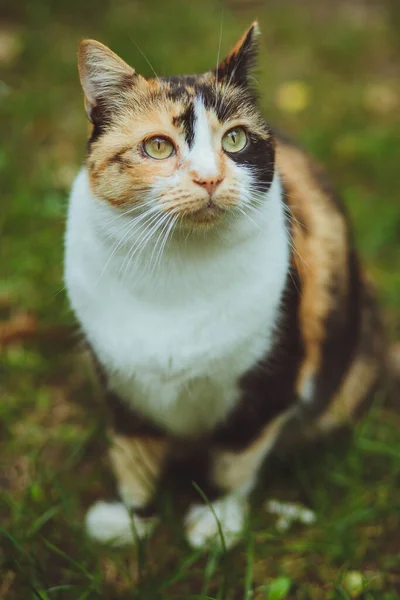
(224, 100)
(185, 120)
(202, 153)
(195, 110)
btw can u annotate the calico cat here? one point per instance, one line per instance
(213, 273)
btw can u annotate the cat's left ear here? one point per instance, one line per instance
(237, 66)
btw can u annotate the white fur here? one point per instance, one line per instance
(111, 523)
(202, 155)
(204, 524)
(175, 340)
(307, 392)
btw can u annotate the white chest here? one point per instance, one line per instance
(176, 348)
(180, 368)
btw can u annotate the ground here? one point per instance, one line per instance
(328, 77)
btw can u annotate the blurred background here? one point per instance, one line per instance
(329, 77)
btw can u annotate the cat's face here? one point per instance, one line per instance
(192, 147)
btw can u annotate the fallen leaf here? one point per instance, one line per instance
(22, 326)
(10, 47)
(381, 98)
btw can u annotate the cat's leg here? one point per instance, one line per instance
(138, 454)
(234, 473)
(138, 464)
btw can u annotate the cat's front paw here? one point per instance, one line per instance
(205, 527)
(112, 523)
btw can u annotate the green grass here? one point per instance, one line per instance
(345, 58)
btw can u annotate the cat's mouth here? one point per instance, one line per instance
(205, 215)
(199, 214)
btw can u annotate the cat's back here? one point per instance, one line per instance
(338, 316)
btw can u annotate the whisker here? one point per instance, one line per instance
(129, 228)
(165, 223)
(146, 59)
(230, 78)
(141, 228)
(248, 217)
(305, 263)
(257, 202)
(218, 54)
(291, 217)
(132, 222)
(140, 243)
(123, 214)
(170, 228)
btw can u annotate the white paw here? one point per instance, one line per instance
(111, 523)
(204, 526)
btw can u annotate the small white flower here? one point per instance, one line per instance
(288, 512)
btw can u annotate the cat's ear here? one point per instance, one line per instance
(237, 66)
(103, 76)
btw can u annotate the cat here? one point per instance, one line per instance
(213, 273)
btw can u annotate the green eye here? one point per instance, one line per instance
(234, 140)
(158, 147)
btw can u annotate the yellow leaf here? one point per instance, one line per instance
(293, 96)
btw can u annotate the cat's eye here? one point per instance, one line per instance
(234, 140)
(158, 147)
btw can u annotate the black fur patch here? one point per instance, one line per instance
(187, 120)
(121, 160)
(101, 113)
(268, 389)
(219, 101)
(342, 329)
(99, 125)
(126, 421)
(177, 81)
(259, 155)
(178, 92)
(146, 512)
(237, 66)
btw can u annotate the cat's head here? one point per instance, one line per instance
(192, 147)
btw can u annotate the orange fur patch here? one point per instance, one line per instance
(320, 250)
(231, 470)
(137, 463)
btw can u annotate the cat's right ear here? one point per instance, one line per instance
(237, 66)
(103, 76)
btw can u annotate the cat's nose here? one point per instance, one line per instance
(208, 183)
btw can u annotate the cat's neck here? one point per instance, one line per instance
(250, 247)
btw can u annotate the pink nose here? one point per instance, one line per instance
(208, 184)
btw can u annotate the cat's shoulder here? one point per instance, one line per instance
(309, 190)
(320, 226)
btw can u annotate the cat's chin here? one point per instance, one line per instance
(204, 218)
